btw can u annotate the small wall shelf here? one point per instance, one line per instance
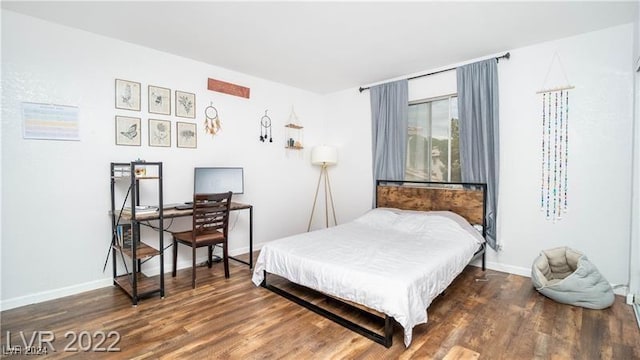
(294, 132)
(294, 137)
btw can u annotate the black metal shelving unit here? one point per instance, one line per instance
(132, 281)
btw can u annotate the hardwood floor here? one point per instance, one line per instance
(501, 317)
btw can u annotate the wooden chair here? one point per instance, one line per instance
(210, 227)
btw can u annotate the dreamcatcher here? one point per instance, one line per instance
(555, 148)
(212, 122)
(265, 128)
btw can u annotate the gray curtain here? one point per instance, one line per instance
(479, 146)
(389, 118)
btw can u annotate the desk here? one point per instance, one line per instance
(173, 213)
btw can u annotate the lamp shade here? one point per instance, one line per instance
(324, 155)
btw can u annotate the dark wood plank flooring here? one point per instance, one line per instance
(498, 315)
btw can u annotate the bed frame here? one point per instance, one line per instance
(465, 199)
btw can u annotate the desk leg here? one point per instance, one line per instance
(250, 262)
(251, 237)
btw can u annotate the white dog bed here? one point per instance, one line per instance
(567, 276)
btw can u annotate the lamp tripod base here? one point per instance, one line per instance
(328, 198)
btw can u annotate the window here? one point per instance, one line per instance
(433, 153)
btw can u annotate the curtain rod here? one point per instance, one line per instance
(505, 56)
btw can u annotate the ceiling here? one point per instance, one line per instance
(326, 46)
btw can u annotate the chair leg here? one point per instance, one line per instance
(193, 267)
(175, 257)
(225, 257)
(210, 256)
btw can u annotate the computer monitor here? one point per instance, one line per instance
(208, 180)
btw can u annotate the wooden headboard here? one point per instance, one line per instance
(464, 199)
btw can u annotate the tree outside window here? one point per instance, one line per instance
(433, 152)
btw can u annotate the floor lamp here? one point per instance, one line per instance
(324, 156)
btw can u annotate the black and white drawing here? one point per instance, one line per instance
(159, 133)
(159, 100)
(186, 135)
(185, 104)
(128, 131)
(127, 95)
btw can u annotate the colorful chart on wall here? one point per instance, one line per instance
(50, 122)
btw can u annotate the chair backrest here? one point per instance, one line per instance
(211, 213)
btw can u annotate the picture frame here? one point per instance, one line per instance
(185, 104)
(127, 95)
(128, 131)
(159, 100)
(186, 135)
(159, 133)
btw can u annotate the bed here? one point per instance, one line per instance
(391, 262)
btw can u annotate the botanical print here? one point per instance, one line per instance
(186, 134)
(185, 104)
(159, 133)
(159, 100)
(127, 95)
(128, 131)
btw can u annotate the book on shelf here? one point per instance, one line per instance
(122, 171)
(124, 235)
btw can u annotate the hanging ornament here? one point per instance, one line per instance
(554, 177)
(212, 122)
(265, 128)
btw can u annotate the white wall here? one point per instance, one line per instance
(634, 254)
(598, 64)
(55, 194)
(600, 123)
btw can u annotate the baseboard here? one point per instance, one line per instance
(526, 272)
(53, 294)
(93, 285)
(516, 270)
(97, 284)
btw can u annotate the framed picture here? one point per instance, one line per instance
(185, 104)
(127, 95)
(159, 100)
(186, 135)
(128, 131)
(159, 133)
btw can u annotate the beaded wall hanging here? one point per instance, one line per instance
(212, 123)
(554, 189)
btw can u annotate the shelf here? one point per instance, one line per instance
(124, 225)
(149, 215)
(145, 285)
(293, 134)
(137, 177)
(142, 251)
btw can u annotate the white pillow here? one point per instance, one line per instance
(414, 221)
(381, 218)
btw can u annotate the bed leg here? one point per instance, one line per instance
(484, 260)
(388, 331)
(264, 279)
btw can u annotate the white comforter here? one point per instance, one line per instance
(393, 261)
